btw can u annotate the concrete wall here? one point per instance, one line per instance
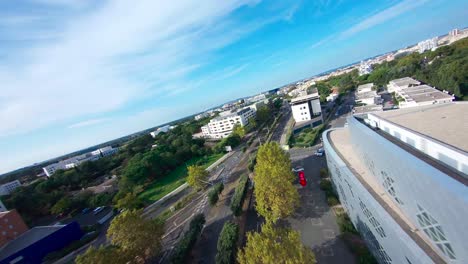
(416, 185)
(437, 150)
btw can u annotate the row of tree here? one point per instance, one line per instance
(276, 198)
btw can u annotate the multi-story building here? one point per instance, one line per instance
(365, 68)
(77, 160)
(429, 44)
(221, 126)
(7, 188)
(402, 178)
(413, 93)
(163, 129)
(11, 226)
(306, 111)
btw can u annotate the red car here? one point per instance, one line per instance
(302, 179)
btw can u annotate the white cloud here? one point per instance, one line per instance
(115, 54)
(383, 16)
(87, 123)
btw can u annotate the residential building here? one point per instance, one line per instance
(221, 126)
(33, 245)
(365, 68)
(401, 176)
(402, 83)
(11, 226)
(306, 111)
(412, 93)
(365, 95)
(163, 129)
(429, 44)
(7, 188)
(77, 160)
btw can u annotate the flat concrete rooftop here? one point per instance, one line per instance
(447, 123)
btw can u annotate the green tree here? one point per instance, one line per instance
(238, 130)
(197, 177)
(130, 201)
(101, 255)
(275, 245)
(136, 236)
(276, 196)
(263, 113)
(227, 243)
(64, 205)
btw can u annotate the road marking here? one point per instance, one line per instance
(327, 252)
(183, 222)
(328, 233)
(316, 221)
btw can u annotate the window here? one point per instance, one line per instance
(388, 186)
(378, 228)
(434, 231)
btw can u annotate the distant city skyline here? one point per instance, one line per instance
(78, 73)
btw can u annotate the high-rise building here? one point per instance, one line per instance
(7, 188)
(402, 178)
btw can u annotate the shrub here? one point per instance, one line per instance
(252, 163)
(238, 197)
(213, 195)
(323, 173)
(326, 185)
(345, 224)
(227, 244)
(332, 201)
(190, 237)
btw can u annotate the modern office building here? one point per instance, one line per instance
(33, 245)
(307, 108)
(222, 125)
(401, 176)
(77, 160)
(7, 188)
(413, 93)
(11, 226)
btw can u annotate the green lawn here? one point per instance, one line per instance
(170, 182)
(306, 137)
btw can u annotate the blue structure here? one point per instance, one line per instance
(35, 244)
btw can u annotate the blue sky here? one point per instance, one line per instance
(80, 72)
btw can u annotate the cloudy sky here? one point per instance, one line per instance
(74, 73)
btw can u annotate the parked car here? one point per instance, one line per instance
(86, 210)
(98, 210)
(319, 152)
(298, 169)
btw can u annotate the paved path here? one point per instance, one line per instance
(314, 219)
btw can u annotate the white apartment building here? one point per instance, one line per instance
(402, 178)
(415, 94)
(365, 68)
(7, 188)
(221, 126)
(307, 110)
(77, 160)
(365, 95)
(162, 129)
(429, 44)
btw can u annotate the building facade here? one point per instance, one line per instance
(7, 188)
(11, 226)
(306, 108)
(400, 183)
(221, 126)
(77, 160)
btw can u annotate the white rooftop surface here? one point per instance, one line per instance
(365, 95)
(341, 140)
(365, 86)
(405, 81)
(304, 98)
(445, 122)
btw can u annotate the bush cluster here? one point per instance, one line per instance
(213, 195)
(227, 244)
(190, 237)
(323, 173)
(238, 197)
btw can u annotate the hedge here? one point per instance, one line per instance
(190, 237)
(227, 244)
(213, 195)
(238, 197)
